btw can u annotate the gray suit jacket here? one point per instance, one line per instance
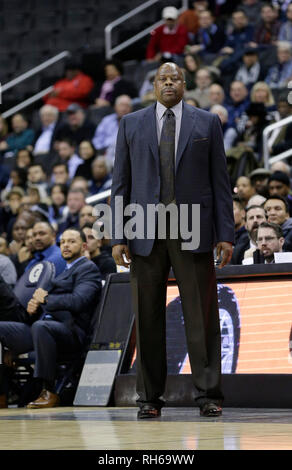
(200, 178)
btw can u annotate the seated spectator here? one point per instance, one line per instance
(270, 240)
(259, 180)
(57, 211)
(279, 185)
(280, 74)
(113, 86)
(190, 19)
(24, 158)
(169, 39)
(101, 176)
(255, 215)
(229, 134)
(20, 138)
(37, 177)
(266, 33)
(73, 88)
(102, 259)
(7, 270)
(285, 33)
(19, 229)
(245, 190)
(3, 129)
(252, 135)
(250, 70)
(209, 39)
(241, 240)
(86, 216)
(17, 177)
(238, 102)
(24, 254)
(191, 66)
(216, 94)
(256, 200)
(75, 202)
(45, 248)
(46, 134)
(201, 92)
(67, 154)
(280, 139)
(60, 173)
(262, 93)
(252, 9)
(88, 153)
(10, 209)
(146, 92)
(192, 102)
(104, 139)
(77, 127)
(55, 320)
(79, 182)
(277, 211)
(281, 166)
(240, 35)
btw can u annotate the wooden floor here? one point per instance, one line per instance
(83, 428)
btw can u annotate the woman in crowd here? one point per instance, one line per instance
(88, 153)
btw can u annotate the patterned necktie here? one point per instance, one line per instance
(166, 152)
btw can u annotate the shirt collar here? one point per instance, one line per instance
(69, 265)
(160, 110)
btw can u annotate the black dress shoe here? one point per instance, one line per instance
(210, 410)
(148, 411)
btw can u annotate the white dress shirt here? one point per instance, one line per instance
(160, 110)
(43, 143)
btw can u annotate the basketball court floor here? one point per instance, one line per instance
(96, 428)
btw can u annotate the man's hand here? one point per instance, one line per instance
(118, 252)
(224, 248)
(39, 295)
(32, 306)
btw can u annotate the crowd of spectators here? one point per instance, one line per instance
(237, 63)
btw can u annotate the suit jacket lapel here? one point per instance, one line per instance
(187, 124)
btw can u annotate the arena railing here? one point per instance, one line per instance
(24, 76)
(268, 159)
(109, 50)
(98, 197)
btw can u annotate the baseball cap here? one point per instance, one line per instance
(280, 176)
(260, 172)
(15, 190)
(72, 108)
(169, 13)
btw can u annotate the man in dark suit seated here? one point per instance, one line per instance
(56, 320)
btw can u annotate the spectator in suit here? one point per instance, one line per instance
(255, 215)
(77, 127)
(46, 134)
(75, 202)
(102, 259)
(104, 139)
(280, 74)
(114, 85)
(169, 39)
(270, 240)
(67, 154)
(277, 211)
(56, 320)
(73, 88)
(45, 248)
(21, 137)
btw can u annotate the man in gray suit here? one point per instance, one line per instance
(173, 153)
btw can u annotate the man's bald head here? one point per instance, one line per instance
(169, 84)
